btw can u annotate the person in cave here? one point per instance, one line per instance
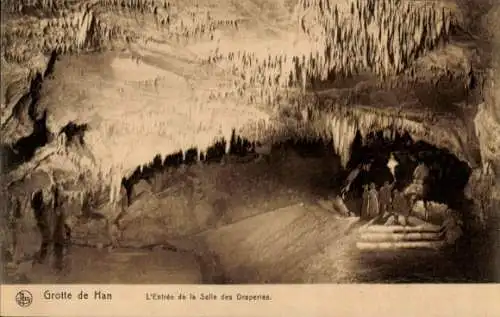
(352, 177)
(418, 188)
(400, 206)
(385, 197)
(421, 173)
(373, 201)
(406, 208)
(364, 203)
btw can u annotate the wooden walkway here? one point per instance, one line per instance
(417, 235)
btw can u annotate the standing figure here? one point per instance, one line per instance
(349, 180)
(421, 173)
(373, 204)
(352, 177)
(395, 205)
(418, 188)
(364, 204)
(401, 206)
(385, 198)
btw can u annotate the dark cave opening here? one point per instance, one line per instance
(244, 151)
(448, 175)
(75, 132)
(24, 149)
(214, 154)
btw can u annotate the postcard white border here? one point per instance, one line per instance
(482, 300)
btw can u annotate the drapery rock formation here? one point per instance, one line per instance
(93, 89)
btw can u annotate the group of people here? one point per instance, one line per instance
(385, 201)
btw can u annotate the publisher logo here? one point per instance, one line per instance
(24, 298)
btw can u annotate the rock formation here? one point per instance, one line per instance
(93, 89)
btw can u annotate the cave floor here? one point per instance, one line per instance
(281, 235)
(87, 265)
(302, 243)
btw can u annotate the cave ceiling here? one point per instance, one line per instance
(153, 77)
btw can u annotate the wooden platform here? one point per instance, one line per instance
(416, 235)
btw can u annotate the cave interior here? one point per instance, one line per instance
(448, 174)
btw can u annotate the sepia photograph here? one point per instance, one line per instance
(216, 142)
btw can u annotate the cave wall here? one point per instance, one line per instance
(483, 188)
(488, 117)
(65, 164)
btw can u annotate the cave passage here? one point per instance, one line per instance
(214, 154)
(448, 175)
(323, 178)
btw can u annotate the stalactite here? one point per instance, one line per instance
(331, 32)
(396, 24)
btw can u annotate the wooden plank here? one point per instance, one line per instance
(435, 245)
(411, 236)
(401, 229)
